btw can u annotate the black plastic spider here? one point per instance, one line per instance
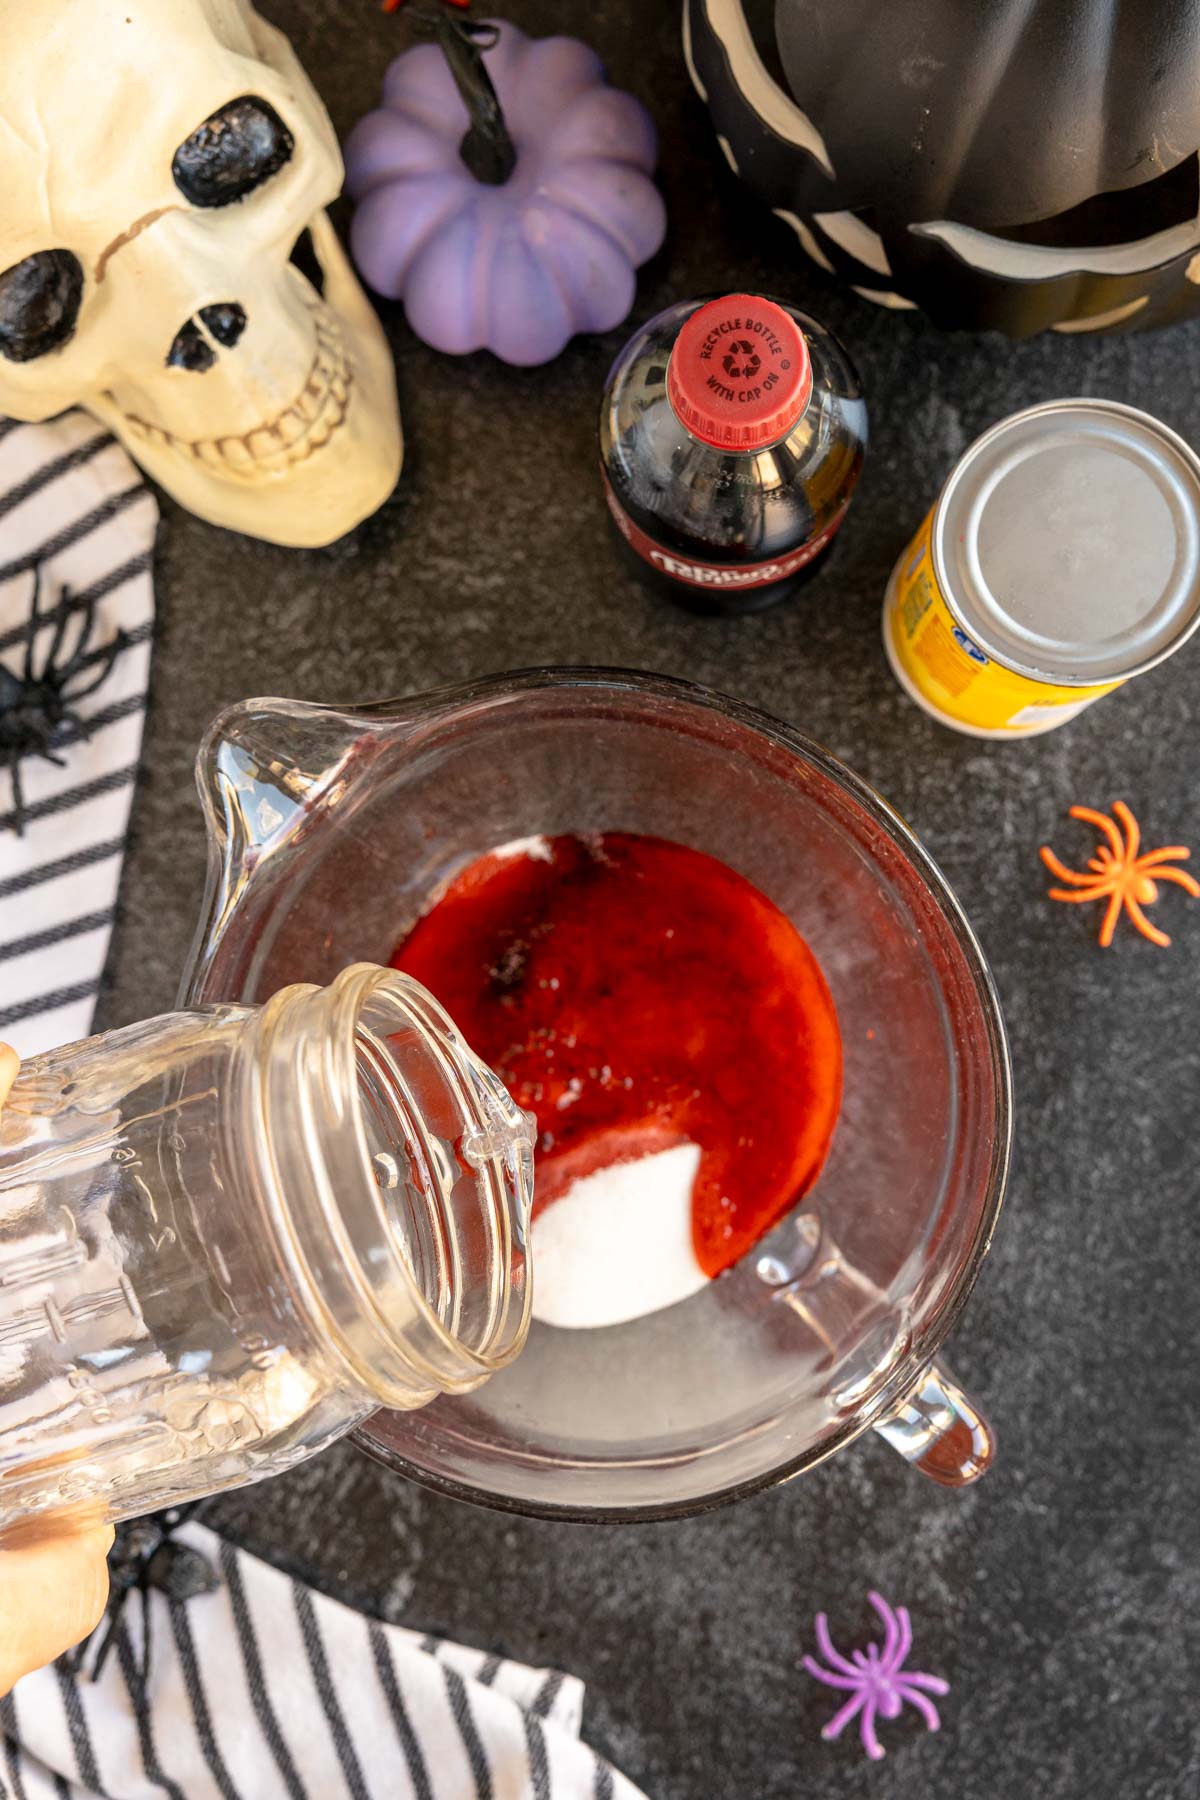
(145, 1555)
(35, 707)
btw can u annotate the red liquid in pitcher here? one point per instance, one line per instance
(635, 994)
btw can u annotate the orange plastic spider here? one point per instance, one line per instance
(1120, 874)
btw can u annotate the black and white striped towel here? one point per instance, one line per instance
(265, 1690)
(76, 518)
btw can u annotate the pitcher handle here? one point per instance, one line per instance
(938, 1428)
(935, 1425)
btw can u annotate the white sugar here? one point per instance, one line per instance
(537, 849)
(618, 1243)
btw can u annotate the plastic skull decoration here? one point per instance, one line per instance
(164, 163)
(1020, 165)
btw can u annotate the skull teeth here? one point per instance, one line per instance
(301, 428)
(308, 404)
(291, 427)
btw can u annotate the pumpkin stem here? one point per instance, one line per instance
(486, 147)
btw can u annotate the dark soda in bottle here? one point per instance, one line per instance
(732, 433)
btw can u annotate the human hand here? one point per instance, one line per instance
(52, 1592)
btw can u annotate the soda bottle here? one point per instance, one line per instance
(732, 433)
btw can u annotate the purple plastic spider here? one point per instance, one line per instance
(876, 1678)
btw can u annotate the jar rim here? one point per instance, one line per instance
(305, 1070)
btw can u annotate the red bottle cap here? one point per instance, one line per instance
(739, 374)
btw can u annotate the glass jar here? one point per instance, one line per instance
(229, 1234)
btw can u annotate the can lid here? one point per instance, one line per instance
(1067, 541)
(739, 375)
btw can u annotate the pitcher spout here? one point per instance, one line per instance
(267, 771)
(276, 753)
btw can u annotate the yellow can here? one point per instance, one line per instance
(1061, 558)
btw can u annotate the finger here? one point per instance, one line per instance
(51, 1595)
(52, 1592)
(9, 1064)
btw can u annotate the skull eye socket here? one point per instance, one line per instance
(236, 149)
(39, 304)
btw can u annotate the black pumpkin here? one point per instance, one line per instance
(1014, 164)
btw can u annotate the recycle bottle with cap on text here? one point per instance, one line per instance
(732, 434)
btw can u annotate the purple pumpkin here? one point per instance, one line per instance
(518, 265)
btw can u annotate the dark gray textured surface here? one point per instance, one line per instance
(1061, 1597)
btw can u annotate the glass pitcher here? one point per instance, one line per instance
(331, 832)
(229, 1234)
